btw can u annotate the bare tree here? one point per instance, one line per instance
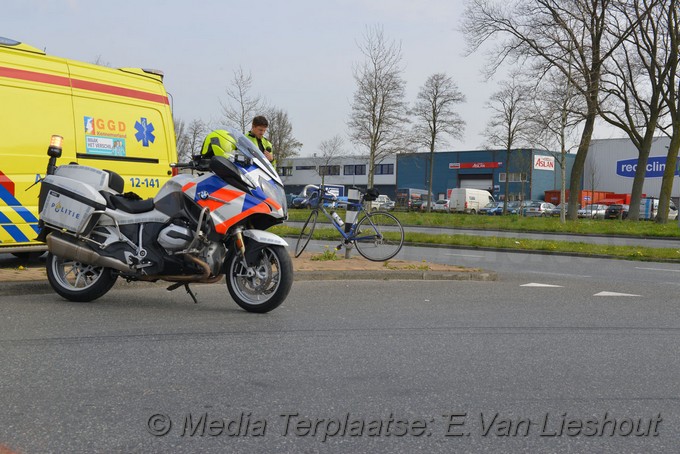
(280, 134)
(180, 137)
(509, 123)
(241, 105)
(671, 94)
(189, 138)
(556, 113)
(569, 36)
(633, 83)
(328, 155)
(378, 109)
(435, 117)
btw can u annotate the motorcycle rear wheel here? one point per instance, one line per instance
(269, 287)
(77, 281)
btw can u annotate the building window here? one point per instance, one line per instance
(515, 177)
(305, 167)
(355, 169)
(329, 170)
(285, 171)
(384, 169)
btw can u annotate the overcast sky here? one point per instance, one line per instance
(300, 52)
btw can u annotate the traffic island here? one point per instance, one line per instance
(329, 266)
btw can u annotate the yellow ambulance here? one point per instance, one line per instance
(113, 119)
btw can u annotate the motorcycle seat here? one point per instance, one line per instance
(127, 204)
(132, 206)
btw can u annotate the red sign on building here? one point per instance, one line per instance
(475, 165)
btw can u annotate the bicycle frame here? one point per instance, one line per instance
(371, 242)
(359, 206)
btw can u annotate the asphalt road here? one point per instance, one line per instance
(388, 366)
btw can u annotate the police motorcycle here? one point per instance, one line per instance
(199, 227)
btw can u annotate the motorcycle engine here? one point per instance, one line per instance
(175, 238)
(214, 256)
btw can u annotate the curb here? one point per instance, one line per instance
(389, 275)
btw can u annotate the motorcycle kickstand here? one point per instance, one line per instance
(186, 286)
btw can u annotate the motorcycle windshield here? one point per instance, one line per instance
(248, 149)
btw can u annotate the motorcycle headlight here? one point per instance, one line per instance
(273, 191)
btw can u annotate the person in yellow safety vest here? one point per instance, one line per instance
(256, 135)
(218, 143)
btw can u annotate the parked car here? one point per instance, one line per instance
(381, 203)
(489, 207)
(388, 206)
(542, 209)
(441, 205)
(512, 208)
(556, 211)
(616, 211)
(289, 199)
(524, 206)
(419, 205)
(593, 211)
(302, 199)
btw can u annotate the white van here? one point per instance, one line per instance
(467, 200)
(649, 207)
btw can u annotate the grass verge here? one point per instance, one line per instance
(622, 252)
(524, 224)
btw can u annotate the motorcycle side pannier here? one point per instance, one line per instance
(71, 209)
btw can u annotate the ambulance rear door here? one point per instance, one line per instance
(36, 103)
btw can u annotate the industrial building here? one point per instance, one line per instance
(611, 164)
(347, 171)
(610, 167)
(529, 174)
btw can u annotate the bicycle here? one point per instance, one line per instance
(366, 233)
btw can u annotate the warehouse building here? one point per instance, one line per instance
(529, 174)
(611, 164)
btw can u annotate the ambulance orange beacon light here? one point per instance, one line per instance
(54, 149)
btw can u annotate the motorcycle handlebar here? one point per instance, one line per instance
(201, 164)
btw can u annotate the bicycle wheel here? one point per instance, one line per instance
(379, 236)
(306, 233)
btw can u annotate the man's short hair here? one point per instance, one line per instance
(260, 120)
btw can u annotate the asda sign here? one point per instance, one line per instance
(655, 167)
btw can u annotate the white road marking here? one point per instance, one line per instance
(657, 269)
(614, 294)
(558, 274)
(468, 255)
(536, 284)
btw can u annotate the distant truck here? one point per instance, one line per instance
(406, 197)
(467, 200)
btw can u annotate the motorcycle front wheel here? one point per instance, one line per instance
(268, 283)
(77, 281)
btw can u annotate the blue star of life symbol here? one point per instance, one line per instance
(144, 132)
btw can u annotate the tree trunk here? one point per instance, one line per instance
(563, 184)
(669, 175)
(639, 179)
(507, 182)
(579, 162)
(429, 190)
